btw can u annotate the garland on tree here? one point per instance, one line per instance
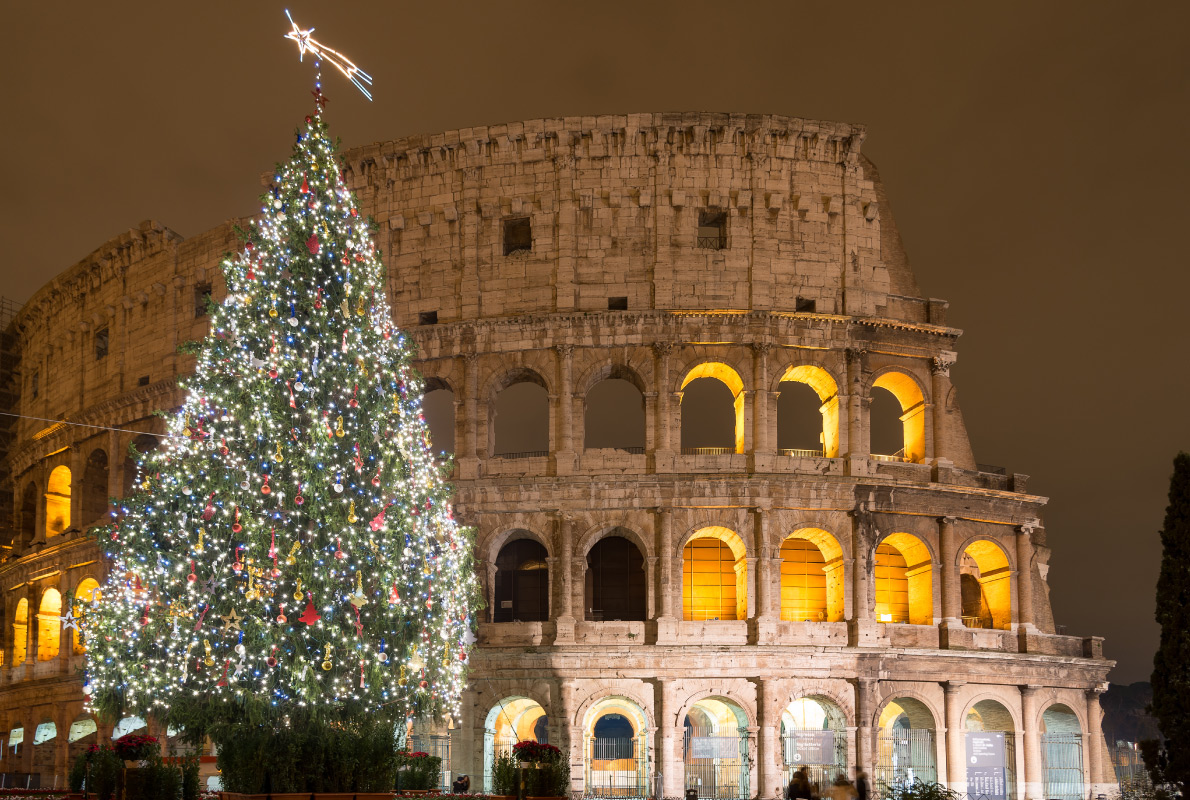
(292, 545)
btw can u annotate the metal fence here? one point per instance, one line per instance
(617, 768)
(1129, 769)
(903, 756)
(822, 752)
(1062, 765)
(437, 744)
(716, 763)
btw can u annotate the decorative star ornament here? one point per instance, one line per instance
(336, 59)
(209, 585)
(69, 620)
(231, 622)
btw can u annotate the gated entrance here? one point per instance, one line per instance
(617, 767)
(717, 763)
(1062, 765)
(904, 755)
(822, 752)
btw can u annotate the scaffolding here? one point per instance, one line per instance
(10, 386)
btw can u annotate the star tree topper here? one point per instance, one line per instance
(336, 59)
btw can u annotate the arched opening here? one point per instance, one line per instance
(813, 736)
(511, 720)
(425, 735)
(904, 581)
(85, 593)
(1061, 753)
(28, 523)
(49, 624)
(143, 444)
(714, 576)
(44, 745)
(522, 590)
(614, 416)
(715, 752)
(905, 747)
(991, 735)
(95, 487)
(617, 763)
(128, 725)
(57, 501)
(83, 733)
(20, 633)
(907, 407)
(812, 580)
(521, 418)
(614, 588)
(16, 738)
(438, 408)
(985, 581)
(808, 413)
(712, 401)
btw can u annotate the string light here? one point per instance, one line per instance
(336, 59)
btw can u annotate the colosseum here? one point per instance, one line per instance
(728, 518)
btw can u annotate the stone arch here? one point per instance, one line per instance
(86, 591)
(521, 587)
(602, 530)
(526, 429)
(730, 378)
(903, 577)
(911, 395)
(987, 712)
(28, 513)
(616, 370)
(49, 624)
(843, 699)
(507, 533)
(906, 740)
(616, 580)
(745, 717)
(826, 387)
(813, 732)
(714, 587)
(922, 711)
(716, 751)
(20, 632)
(1058, 717)
(57, 501)
(813, 576)
(95, 480)
(613, 408)
(1062, 752)
(986, 572)
(438, 409)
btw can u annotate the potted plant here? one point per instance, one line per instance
(505, 777)
(417, 772)
(135, 749)
(544, 772)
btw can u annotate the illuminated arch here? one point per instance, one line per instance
(985, 585)
(57, 501)
(128, 725)
(49, 624)
(20, 632)
(95, 477)
(813, 735)
(904, 570)
(812, 577)
(729, 378)
(715, 752)
(81, 728)
(84, 594)
(906, 742)
(909, 395)
(512, 719)
(1062, 753)
(714, 575)
(989, 715)
(46, 731)
(827, 389)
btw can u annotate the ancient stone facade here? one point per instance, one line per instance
(673, 613)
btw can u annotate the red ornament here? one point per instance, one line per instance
(424, 684)
(251, 275)
(265, 489)
(273, 372)
(310, 615)
(236, 527)
(378, 521)
(223, 680)
(312, 244)
(394, 596)
(209, 510)
(305, 186)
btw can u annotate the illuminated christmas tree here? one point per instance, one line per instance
(292, 548)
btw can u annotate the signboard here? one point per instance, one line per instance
(986, 769)
(809, 747)
(715, 747)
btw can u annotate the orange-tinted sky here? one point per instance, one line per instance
(1035, 154)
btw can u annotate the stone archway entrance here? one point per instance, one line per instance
(511, 720)
(814, 736)
(715, 754)
(616, 757)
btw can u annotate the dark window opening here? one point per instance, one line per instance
(708, 417)
(799, 419)
(617, 304)
(521, 424)
(975, 610)
(518, 235)
(614, 738)
(884, 421)
(427, 318)
(102, 340)
(95, 477)
(805, 305)
(143, 380)
(614, 416)
(615, 581)
(438, 407)
(28, 523)
(712, 229)
(522, 583)
(202, 299)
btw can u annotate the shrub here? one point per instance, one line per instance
(418, 770)
(918, 790)
(505, 775)
(134, 747)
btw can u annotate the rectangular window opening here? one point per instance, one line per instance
(805, 305)
(518, 236)
(102, 339)
(143, 380)
(427, 318)
(712, 229)
(202, 298)
(617, 304)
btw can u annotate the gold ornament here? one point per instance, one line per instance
(359, 306)
(339, 428)
(279, 457)
(351, 517)
(198, 546)
(297, 594)
(326, 663)
(358, 599)
(209, 660)
(401, 676)
(291, 559)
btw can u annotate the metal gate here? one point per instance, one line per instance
(717, 764)
(1062, 765)
(905, 755)
(436, 745)
(822, 752)
(617, 768)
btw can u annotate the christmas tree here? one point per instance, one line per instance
(291, 548)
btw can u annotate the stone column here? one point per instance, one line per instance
(956, 762)
(1024, 582)
(751, 604)
(860, 576)
(1033, 784)
(952, 607)
(663, 422)
(565, 580)
(663, 520)
(78, 466)
(939, 388)
(1095, 772)
(668, 764)
(768, 759)
(572, 735)
(858, 449)
(762, 439)
(865, 707)
(564, 436)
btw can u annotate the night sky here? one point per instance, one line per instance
(1034, 153)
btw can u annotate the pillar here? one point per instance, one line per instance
(1024, 583)
(665, 546)
(668, 765)
(956, 763)
(78, 466)
(565, 569)
(663, 422)
(858, 449)
(572, 743)
(767, 584)
(865, 708)
(762, 439)
(861, 609)
(939, 388)
(952, 605)
(768, 759)
(564, 427)
(1031, 734)
(1097, 782)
